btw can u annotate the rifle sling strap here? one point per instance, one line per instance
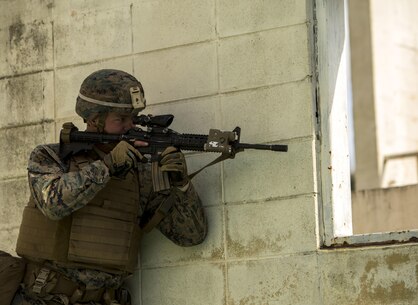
(217, 160)
(162, 211)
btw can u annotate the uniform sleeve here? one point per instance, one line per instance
(58, 193)
(186, 225)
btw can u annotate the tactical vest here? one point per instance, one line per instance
(103, 235)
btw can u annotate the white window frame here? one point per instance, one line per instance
(331, 77)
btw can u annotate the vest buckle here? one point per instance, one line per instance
(40, 280)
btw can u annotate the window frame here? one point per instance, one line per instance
(333, 175)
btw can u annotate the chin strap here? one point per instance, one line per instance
(100, 122)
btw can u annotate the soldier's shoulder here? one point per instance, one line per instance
(45, 151)
(47, 156)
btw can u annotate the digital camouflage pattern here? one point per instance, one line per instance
(58, 193)
(107, 85)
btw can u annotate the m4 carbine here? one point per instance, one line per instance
(159, 137)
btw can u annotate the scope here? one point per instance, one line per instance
(150, 120)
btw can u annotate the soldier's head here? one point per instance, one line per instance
(109, 96)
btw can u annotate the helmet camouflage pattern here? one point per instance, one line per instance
(109, 90)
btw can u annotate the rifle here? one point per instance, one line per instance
(159, 137)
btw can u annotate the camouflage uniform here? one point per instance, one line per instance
(58, 192)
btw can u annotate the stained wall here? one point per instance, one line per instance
(212, 63)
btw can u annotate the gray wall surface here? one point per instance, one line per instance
(213, 64)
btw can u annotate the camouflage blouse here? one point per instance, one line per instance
(59, 192)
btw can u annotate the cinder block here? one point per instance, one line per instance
(76, 6)
(157, 250)
(90, 36)
(26, 47)
(271, 228)
(258, 175)
(162, 24)
(372, 276)
(208, 182)
(244, 16)
(270, 114)
(69, 80)
(264, 58)
(26, 11)
(179, 73)
(198, 284)
(190, 116)
(290, 280)
(26, 99)
(16, 145)
(14, 196)
(8, 238)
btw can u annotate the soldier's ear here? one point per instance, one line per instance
(92, 124)
(97, 123)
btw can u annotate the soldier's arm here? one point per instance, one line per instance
(56, 191)
(186, 225)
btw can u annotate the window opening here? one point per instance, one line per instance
(332, 93)
(384, 104)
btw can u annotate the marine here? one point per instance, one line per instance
(81, 229)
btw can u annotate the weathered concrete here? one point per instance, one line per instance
(271, 228)
(158, 24)
(370, 276)
(383, 210)
(195, 65)
(27, 99)
(213, 64)
(27, 47)
(289, 280)
(238, 17)
(16, 145)
(264, 58)
(78, 36)
(279, 177)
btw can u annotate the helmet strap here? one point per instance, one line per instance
(98, 122)
(101, 122)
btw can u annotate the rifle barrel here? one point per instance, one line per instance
(273, 147)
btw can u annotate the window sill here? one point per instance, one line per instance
(372, 239)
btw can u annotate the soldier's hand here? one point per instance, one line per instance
(173, 162)
(122, 159)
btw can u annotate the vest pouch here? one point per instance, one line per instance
(104, 237)
(40, 236)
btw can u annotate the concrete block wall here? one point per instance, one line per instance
(213, 64)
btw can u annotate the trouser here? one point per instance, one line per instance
(44, 286)
(22, 299)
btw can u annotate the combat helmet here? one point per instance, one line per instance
(107, 91)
